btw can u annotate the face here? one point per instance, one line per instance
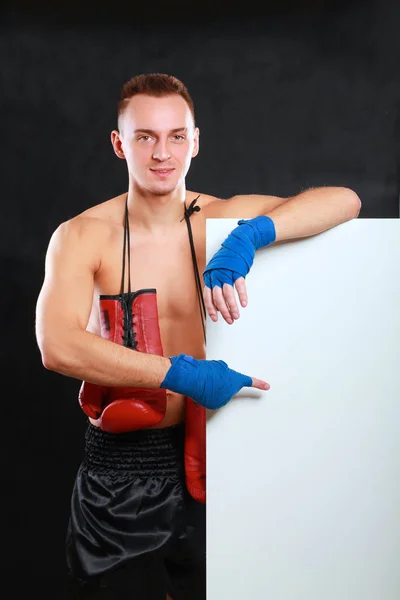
(158, 140)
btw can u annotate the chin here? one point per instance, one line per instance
(163, 188)
(161, 191)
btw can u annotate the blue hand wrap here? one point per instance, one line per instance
(210, 383)
(235, 258)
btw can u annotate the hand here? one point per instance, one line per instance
(230, 265)
(223, 300)
(210, 383)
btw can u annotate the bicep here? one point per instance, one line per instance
(243, 207)
(65, 300)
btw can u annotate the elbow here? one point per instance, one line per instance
(50, 362)
(53, 358)
(352, 202)
(57, 348)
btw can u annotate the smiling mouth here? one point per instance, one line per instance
(162, 172)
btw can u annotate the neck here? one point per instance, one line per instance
(154, 212)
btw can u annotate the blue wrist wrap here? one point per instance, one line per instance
(210, 383)
(235, 258)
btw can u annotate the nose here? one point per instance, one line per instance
(161, 151)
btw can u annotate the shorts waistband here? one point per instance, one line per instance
(146, 452)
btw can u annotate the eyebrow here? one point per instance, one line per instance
(177, 130)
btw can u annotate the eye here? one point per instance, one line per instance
(144, 138)
(179, 137)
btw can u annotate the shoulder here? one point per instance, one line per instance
(202, 200)
(100, 220)
(82, 238)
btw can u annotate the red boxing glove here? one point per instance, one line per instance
(130, 320)
(118, 410)
(195, 450)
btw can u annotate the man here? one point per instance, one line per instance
(124, 275)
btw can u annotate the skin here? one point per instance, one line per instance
(157, 139)
(84, 255)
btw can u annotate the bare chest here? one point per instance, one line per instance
(166, 264)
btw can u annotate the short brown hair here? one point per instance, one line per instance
(153, 84)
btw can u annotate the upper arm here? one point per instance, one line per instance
(65, 300)
(243, 207)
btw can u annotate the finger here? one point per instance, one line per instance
(260, 384)
(240, 285)
(220, 304)
(208, 302)
(230, 300)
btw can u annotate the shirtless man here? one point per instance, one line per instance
(137, 529)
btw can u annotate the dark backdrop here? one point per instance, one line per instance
(287, 96)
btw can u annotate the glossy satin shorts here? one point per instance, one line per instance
(134, 530)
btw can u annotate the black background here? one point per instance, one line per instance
(288, 95)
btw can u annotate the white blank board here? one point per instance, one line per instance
(303, 486)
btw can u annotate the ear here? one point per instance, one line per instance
(117, 143)
(196, 142)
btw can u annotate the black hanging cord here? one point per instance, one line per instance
(188, 212)
(127, 246)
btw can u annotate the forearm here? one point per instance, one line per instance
(314, 211)
(88, 357)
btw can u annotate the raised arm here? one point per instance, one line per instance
(63, 310)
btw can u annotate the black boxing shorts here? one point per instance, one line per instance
(134, 530)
